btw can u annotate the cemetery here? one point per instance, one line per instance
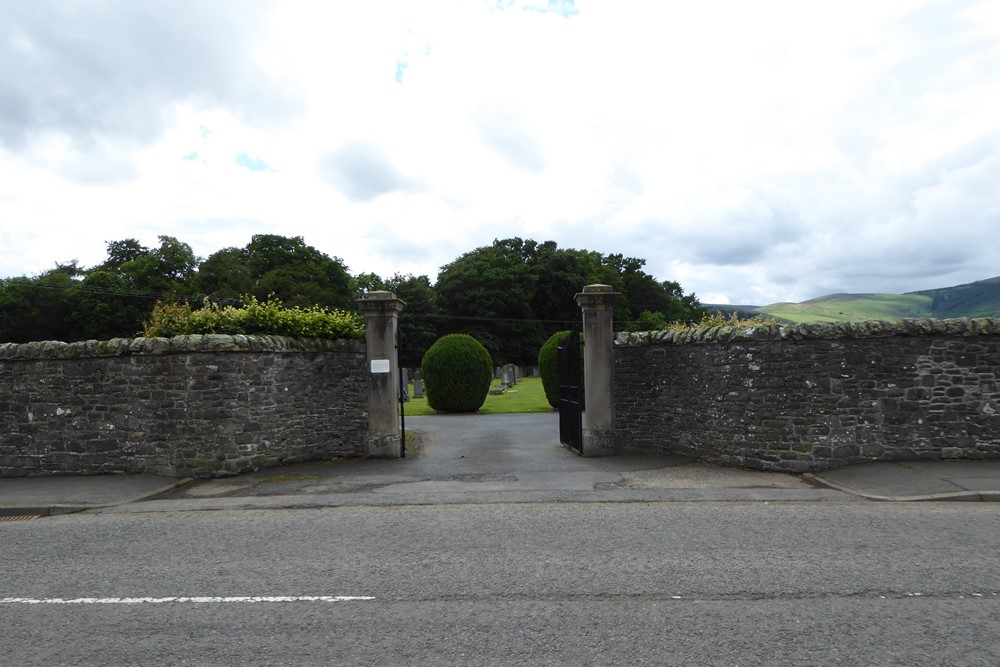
(769, 397)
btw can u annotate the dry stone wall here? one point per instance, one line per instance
(191, 406)
(814, 396)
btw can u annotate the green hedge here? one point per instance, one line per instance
(270, 318)
(457, 371)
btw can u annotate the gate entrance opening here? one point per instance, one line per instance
(570, 392)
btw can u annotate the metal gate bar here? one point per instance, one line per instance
(570, 399)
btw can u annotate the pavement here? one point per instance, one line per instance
(496, 459)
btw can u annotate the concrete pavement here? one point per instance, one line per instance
(914, 481)
(47, 496)
(497, 458)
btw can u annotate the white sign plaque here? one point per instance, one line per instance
(380, 365)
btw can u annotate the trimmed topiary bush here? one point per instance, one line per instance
(457, 371)
(548, 365)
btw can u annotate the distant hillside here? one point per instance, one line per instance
(978, 299)
(852, 308)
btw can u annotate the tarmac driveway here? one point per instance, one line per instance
(470, 454)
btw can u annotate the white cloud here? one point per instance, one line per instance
(754, 152)
(362, 172)
(116, 69)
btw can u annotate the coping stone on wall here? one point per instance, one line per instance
(813, 330)
(117, 347)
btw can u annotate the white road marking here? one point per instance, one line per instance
(194, 600)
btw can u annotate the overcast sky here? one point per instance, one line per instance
(752, 151)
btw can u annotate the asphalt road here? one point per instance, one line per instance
(502, 584)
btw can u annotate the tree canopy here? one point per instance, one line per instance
(418, 323)
(285, 267)
(515, 293)
(510, 295)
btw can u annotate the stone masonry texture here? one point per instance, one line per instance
(190, 406)
(813, 396)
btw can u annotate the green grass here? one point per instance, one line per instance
(526, 396)
(852, 308)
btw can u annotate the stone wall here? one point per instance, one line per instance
(811, 397)
(191, 406)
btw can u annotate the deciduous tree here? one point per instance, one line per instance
(418, 322)
(297, 273)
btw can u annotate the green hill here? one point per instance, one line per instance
(978, 299)
(852, 308)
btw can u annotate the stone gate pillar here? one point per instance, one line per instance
(381, 311)
(597, 303)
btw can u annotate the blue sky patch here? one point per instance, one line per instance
(252, 163)
(564, 8)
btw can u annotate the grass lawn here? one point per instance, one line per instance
(526, 396)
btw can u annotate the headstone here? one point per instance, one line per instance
(404, 386)
(508, 375)
(418, 388)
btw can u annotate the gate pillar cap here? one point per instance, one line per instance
(380, 301)
(598, 297)
(379, 294)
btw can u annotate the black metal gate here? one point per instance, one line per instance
(570, 392)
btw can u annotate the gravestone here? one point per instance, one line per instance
(418, 388)
(508, 375)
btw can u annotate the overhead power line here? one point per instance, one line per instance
(159, 296)
(472, 318)
(92, 289)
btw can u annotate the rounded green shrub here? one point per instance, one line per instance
(548, 365)
(457, 371)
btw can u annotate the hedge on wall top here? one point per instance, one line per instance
(457, 371)
(269, 318)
